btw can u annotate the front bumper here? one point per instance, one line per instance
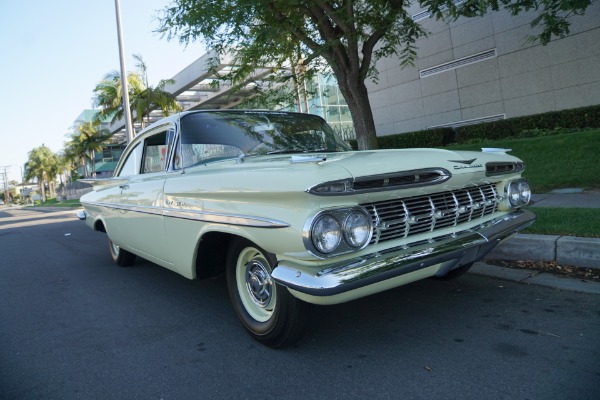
(380, 271)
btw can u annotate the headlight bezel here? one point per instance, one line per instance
(321, 221)
(343, 218)
(517, 193)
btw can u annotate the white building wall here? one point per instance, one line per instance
(519, 79)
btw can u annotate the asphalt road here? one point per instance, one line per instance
(75, 326)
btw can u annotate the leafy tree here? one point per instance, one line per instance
(41, 164)
(349, 35)
(143, 97)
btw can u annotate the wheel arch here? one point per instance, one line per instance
(212, 246)
(99, 225)
(211, 253)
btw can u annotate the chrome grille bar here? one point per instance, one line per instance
(400, 218)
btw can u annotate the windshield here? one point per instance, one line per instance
(217, 135)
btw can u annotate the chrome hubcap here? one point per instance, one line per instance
(257, 291)
(259, 284)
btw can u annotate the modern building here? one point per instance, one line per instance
(483, 68)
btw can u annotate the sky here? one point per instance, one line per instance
(52, 55)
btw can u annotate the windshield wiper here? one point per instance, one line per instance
(292, 151)
(286, 151)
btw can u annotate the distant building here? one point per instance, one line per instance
(482, 69)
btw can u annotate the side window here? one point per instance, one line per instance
(132, 164)
(156, 151)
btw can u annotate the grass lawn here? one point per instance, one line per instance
(567, 160)
(582, 222)
(52, 202)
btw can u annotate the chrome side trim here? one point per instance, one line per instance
(454, 250)
(203, 216)
(229, 219)
(128, 207)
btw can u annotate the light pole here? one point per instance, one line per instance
(127, 111)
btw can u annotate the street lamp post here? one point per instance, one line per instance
(127, 111)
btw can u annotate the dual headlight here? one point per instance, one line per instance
(518, 193)
(339, 231)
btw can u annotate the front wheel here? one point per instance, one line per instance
(269, 312)
(120, 256)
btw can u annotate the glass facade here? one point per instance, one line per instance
(324, 99)
(327, 101)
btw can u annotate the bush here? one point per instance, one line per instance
(438, 137)
(557, 121)
(550, 123)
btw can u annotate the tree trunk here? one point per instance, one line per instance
(93, 158)
(43, 188)
(84, 165)
(357, 97)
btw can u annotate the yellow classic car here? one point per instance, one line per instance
(293, 217)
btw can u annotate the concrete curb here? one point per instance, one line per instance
(535, 278)
(567, 250)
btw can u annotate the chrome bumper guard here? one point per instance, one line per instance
(452, 251)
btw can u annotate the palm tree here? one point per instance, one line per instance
(41, 164)
(85, 142)
(74, 156)
(152, 97)
(143, 97)
(92, 138)
(109, 96)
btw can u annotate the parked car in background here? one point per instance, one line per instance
(294, 217)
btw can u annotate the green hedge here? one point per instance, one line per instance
(438, 137)
(578, 118)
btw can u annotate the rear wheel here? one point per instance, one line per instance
(268, 311)
(120, 256)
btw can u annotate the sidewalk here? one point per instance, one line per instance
(532, 277)
(568, 250)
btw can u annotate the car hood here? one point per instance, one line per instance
(285, 173)
(366, 163)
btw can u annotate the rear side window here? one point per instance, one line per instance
(156, 151)
(132, 164)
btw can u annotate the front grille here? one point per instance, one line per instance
(400, 218)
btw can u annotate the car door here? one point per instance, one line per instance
(141, 198)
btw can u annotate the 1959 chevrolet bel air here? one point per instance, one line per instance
(293, 217)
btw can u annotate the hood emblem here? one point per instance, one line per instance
(467, 162)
